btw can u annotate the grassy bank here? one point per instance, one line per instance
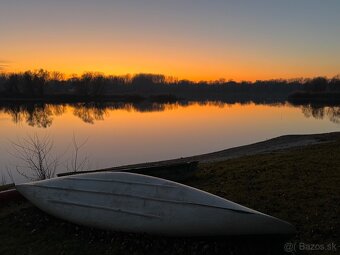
(298, 185)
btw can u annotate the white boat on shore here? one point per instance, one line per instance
(143, 204)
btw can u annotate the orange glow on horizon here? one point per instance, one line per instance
(195, 77)
(181, 65)
(210, 40)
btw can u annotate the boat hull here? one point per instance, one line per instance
(143, 204)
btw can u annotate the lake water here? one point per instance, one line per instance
(119, 134)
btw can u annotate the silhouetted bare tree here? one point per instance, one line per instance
(10, 174)
(3, 180)
(36, 156)
(77, 163)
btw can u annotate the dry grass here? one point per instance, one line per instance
(300, 186)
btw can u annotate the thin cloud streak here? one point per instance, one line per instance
(4, 64)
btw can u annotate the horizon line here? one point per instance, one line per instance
(168, 78)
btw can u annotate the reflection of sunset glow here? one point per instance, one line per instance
(42, 116)
(126, 134)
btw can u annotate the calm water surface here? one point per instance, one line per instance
(124, 134)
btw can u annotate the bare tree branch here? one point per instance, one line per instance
(76, 164)
(36, 155)
(3, 179)
(10, 174)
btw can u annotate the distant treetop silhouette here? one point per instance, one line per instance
(41, 83)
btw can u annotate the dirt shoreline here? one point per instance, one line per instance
(272, 145)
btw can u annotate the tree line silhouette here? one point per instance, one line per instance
(44, 85)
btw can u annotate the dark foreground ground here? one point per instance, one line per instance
(300, 185)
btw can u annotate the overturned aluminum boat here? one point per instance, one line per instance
(144, 204)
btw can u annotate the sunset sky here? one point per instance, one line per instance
(196, 39)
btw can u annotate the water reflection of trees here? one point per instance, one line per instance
(42, 115)
(35, 115)
(89, 112)
(321, 112)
